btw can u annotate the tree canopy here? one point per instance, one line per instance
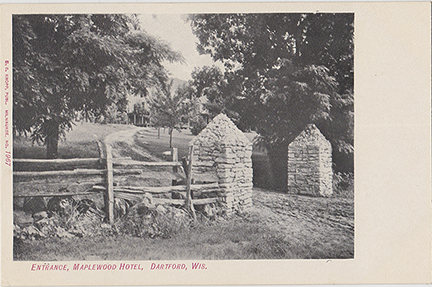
(168, 108)
(65, 65)
(207, 92)
(286, 71)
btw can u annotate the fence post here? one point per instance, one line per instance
(102, 155)
(188, 171)
(109, 196)
(174, 153)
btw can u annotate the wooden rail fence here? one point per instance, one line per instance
(90, 176)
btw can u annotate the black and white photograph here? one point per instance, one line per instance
(195, 141)
(200, 136)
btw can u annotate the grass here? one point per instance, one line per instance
(148, 139)
(79, 142)
(245, 237)
(280, 225)
(228, 240)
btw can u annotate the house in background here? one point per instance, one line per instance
(138, 107)
(138, 111)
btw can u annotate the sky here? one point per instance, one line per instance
(172, 29)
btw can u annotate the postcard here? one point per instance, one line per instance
(215, 143)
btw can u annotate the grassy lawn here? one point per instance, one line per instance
(231, 239)
(79, 142)
(311, 228)
(279, 226)
(148, 139)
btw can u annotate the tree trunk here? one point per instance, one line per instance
(158, 133)
(278, 158)
(52, 139)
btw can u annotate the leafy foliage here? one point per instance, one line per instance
(63, 218)
(168, 109)
(285, 71)
(82, 63)
(113, 115)
(140, 109)
(207, 92)
(197, 124)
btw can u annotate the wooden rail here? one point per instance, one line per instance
(155, 200)
(44, 176)
(67, 161)
(75, 172)
(182, 201)
(209, 187)
(55, 164)
(130, 162)
(52, 194)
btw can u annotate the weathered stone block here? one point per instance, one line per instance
(222, 146)
(309, 164)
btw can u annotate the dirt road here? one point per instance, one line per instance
(324, 224)
(320, 227)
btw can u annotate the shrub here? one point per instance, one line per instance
(147, 220)
(113, 115)
(197, 125)
(343, 183)
(63, 218)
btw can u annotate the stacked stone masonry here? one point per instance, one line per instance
(310, 163)
(222, 153)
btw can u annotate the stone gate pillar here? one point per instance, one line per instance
(310, 163)
(222, 153)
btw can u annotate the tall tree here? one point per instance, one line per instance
(289, 70)
(167, 109)
(83, 63)
(209, 91)
(206, 88)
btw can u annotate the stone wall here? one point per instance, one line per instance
(310, 163)
(222, 153)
